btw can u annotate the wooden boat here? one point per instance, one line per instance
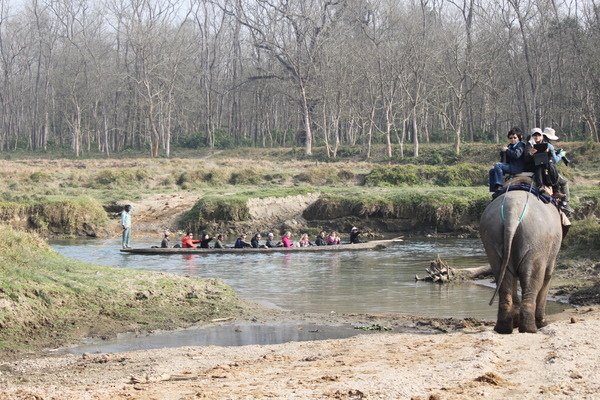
(372, 245)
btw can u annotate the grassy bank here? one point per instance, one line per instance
(135, 176)
(419, 209)
(438, 191)
(54, 215)
(48, 300)
(416, 209)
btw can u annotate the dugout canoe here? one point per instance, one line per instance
(372, 245)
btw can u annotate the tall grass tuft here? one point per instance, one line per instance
(419, 175)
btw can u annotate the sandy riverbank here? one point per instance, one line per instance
(560, 361)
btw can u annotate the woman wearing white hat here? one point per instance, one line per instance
(542, 159)
(562, 185)
(545, 171)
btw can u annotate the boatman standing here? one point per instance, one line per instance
(354, 233)
(126, 225)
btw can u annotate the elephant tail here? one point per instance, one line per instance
(510, 229)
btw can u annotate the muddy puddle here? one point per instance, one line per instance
(227, 335)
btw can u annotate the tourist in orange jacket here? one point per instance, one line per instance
(188, 241)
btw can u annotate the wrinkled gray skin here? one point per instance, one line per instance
(521, 253)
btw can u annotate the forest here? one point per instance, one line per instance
(111, 76)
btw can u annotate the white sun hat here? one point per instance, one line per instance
(536, 130)
(550, 134)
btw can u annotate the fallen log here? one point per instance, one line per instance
(440, 272)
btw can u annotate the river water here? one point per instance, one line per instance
(319, 282)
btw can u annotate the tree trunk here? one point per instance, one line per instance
(307, 122)
(415, 132)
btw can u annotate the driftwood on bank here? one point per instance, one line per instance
(439, 271)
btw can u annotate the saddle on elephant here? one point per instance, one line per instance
(525, 181)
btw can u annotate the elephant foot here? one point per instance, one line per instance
(503, 329)
(516, 321)
(528, 322)
(541, 323)
(527, 328)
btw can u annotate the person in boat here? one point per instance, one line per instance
(188, 241)
(305, 241)
(320, 240)
(270, 242)
(205, 239)
(165, 241)
(354, 235)
(333, 238)
(126, 225)
(255, 242)
(286, 239)
(512, 159)
(241, 242)
(219, 242)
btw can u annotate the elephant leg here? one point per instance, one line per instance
(540, 311)
(516, 311)
(530, 288)
(506, 310)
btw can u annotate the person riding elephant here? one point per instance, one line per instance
(541, 159)
(512, 161)
(561, 188)
(521, 236)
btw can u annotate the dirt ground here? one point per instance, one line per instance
(559, 362)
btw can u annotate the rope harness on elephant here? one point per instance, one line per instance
(522, 215)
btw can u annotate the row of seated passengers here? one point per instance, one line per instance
(322, 239)
(537, 156)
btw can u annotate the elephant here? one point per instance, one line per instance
(521, 234)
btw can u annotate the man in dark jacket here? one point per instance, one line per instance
(512, 159)
(255, 241)
(270, 240)
(354, 232)
(240, 243)
(320, 241)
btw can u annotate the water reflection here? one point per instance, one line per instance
(345, 282)
(220, 335)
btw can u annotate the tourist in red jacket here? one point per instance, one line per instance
(286, 240)
(188, 241)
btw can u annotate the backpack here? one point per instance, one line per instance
(550, 175)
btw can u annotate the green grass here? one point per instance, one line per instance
(583, 239)
(53, 214)
(587, 200)
(48, 300)
(426, 207)
(465, 174)
(225, 179)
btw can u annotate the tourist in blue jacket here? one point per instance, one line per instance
(512, 159)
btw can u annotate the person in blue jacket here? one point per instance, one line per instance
(512, 159)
